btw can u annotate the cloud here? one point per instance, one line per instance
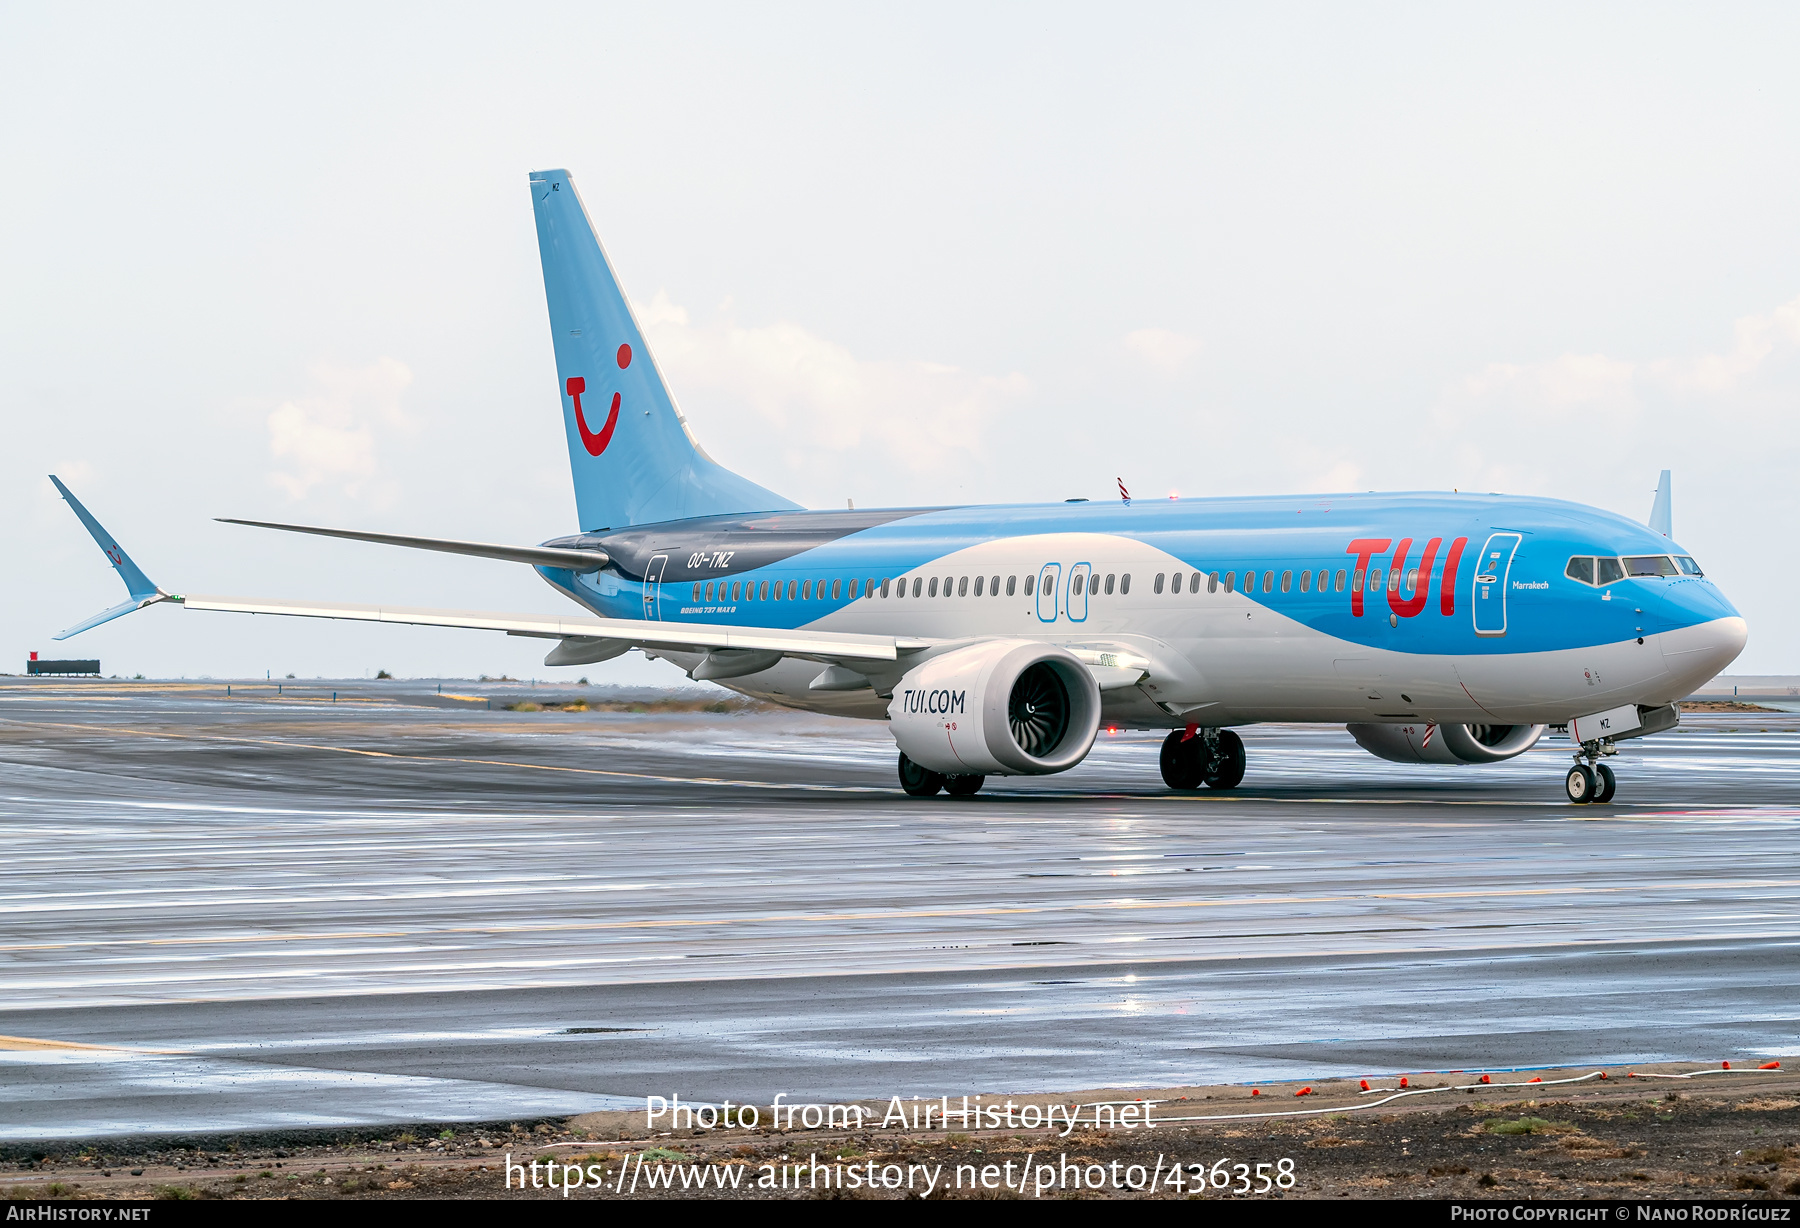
(819, 404)
(332, 439)
(1757, 338)
(1562, 423)
(1162, 349)
(1576, 387)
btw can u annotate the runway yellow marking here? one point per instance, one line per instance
(913, 914)
(27, 1044)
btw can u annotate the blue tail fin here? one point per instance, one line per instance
(629, 447)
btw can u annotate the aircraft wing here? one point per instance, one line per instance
(730, 651)
(829, 646)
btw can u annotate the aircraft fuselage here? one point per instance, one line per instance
(1429, 607)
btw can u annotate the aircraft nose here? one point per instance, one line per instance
(1695, 655)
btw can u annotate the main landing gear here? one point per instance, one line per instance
(1213, 757)
(923, 782)
(1592, 780)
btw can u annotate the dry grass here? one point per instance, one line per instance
(1527, 1125)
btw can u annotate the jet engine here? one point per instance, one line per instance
(1422, 742)
(999, 708)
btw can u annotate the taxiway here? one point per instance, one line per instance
(253, 912)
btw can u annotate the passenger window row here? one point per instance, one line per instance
(793, 590)
(1094, 585)
(711, 591)
(1230, 582)
(951, 586)
(989, 586)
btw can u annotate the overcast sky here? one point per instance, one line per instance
(282, 265)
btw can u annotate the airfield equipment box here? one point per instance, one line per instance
(62, 667)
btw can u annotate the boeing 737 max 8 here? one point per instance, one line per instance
(1440, 628)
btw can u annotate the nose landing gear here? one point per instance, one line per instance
(1192, 757)
(1592, 780)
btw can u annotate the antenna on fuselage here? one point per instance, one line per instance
(1659, 511)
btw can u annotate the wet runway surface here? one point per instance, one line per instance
(253, 911)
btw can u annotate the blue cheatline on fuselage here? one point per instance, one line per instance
(1271, 542)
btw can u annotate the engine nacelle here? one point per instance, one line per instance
(1000, 708)
(1421, 742)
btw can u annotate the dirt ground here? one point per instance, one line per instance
(1733, 1135)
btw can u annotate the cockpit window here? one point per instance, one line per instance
(1688, 566)
(1649, 565)
(1607, 570)
(1581, 569)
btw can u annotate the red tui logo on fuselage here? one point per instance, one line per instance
(1366, 548)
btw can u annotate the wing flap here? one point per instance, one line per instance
(676, 637)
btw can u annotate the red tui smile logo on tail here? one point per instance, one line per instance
(596, 443)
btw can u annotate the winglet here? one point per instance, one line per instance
(143, 591)
(1660, 511)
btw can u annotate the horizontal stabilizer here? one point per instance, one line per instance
(537, 556)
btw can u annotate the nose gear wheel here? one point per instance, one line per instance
(1609, 783)
(1582, 784)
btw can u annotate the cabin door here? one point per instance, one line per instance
(653, 587)
(1049, 581)
(1491, 571)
